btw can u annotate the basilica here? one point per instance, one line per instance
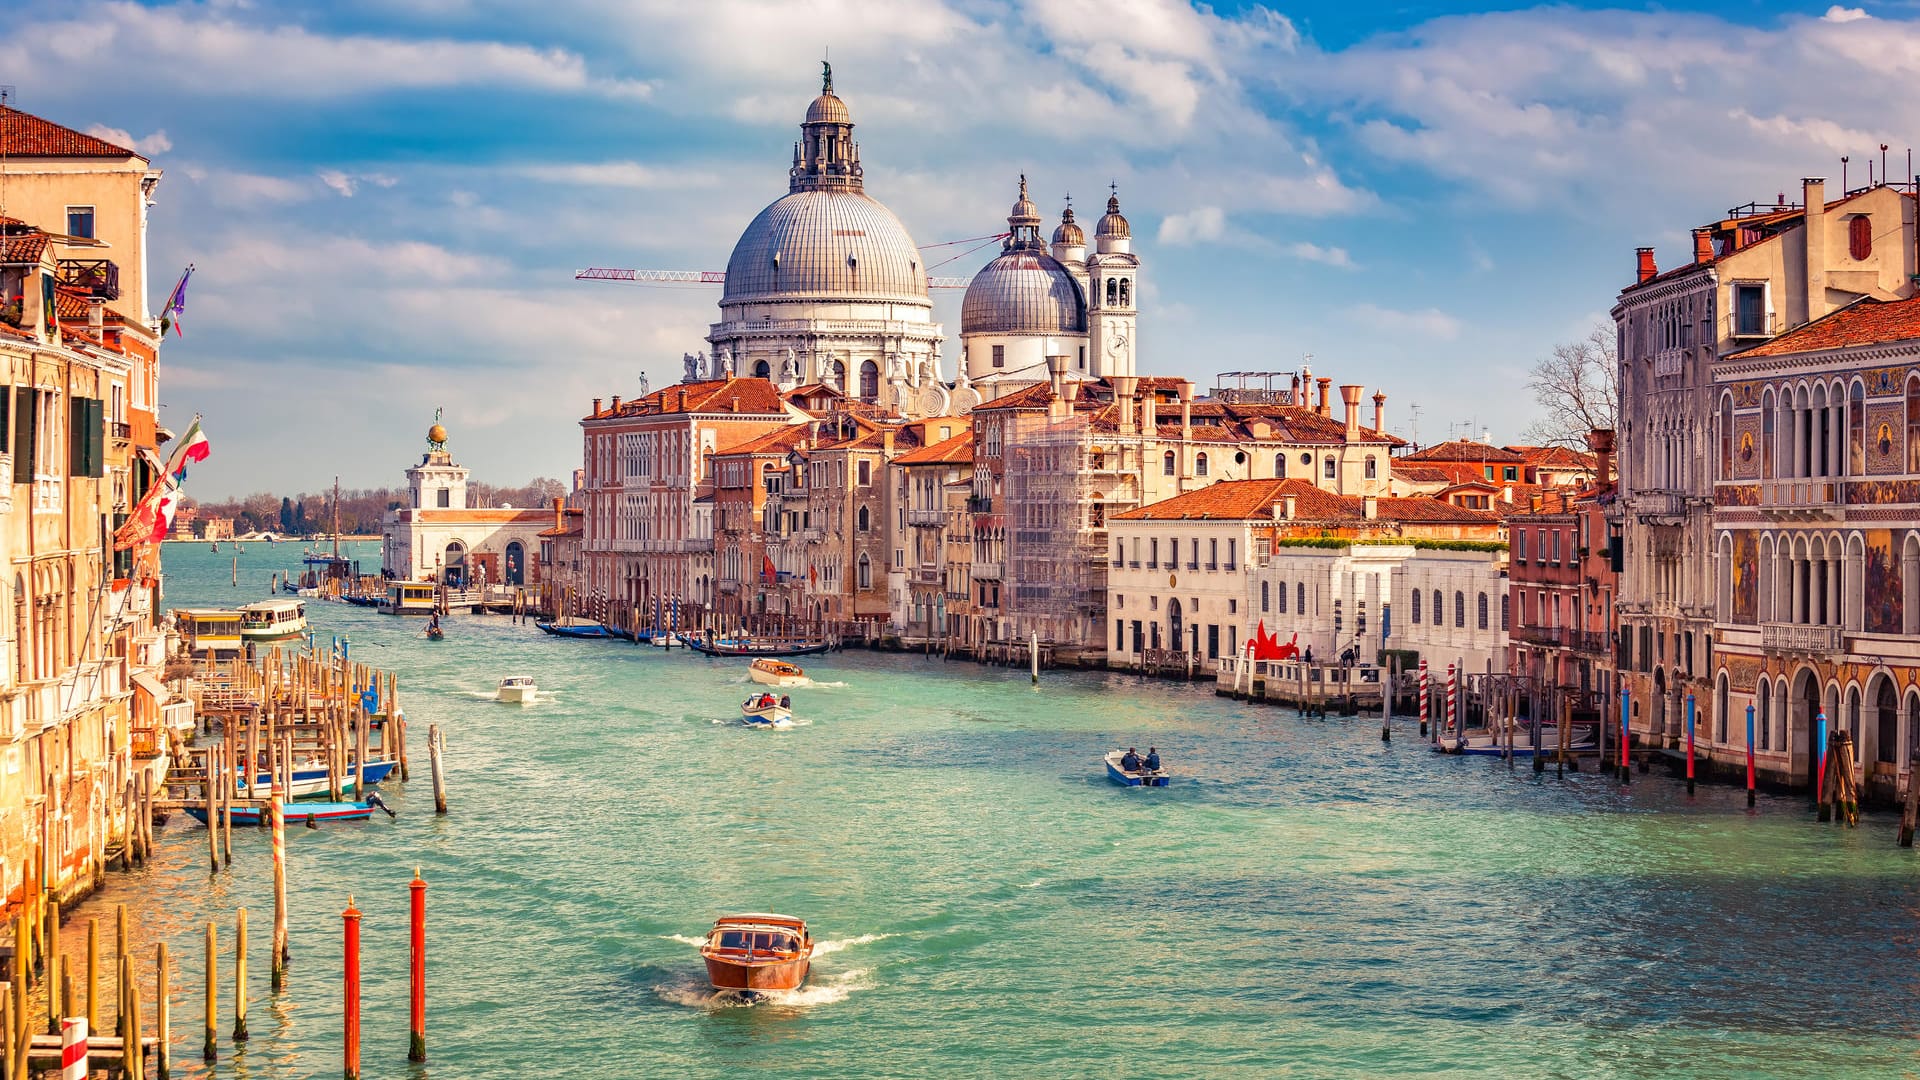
(826, 287)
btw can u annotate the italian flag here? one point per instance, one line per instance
(193, 448)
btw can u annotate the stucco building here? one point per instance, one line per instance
(438, 537)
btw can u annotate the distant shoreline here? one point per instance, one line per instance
(283, 540)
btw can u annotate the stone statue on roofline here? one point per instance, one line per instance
(724, 362)
(789, 368)
(691, 361)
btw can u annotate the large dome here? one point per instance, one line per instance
(1023, 292)
(838, 245)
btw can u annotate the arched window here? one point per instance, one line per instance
(1439, 612)
(1483, 611)
(1766, 435)
(864, 519)
(1199, 464)
(1166, 464)
(1726, 437)
(1857, 430)
(1113, 290)
(869, 381)
(1762, 714)
(1860, 236)
(1720, 708)
(1887, 724)
(1283, 598)
(1280, 466)
(1416, 607)
(1300, 598)
(1373, 468)
(1330, 466)
(762, 370)
(866, 572)
(1126, 287)
(1503, 611)
(1266, 596)
(1460, 610)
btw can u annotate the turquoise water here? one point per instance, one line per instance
(1302, 902)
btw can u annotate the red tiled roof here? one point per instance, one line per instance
(1864, 322)
(27, 135)
(773, 442)
(955, 451)
(1254, 500)
(1421, 474)
(746, 396)
(1464, 450)
(1553, 457)
(22, 248)
(1037, 396)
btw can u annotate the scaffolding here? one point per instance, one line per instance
(1056, 533)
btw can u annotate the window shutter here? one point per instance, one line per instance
(96, 437)
(23, 432)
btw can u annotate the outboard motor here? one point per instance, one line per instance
(374, 800)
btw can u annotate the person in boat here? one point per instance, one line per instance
(1130, 762)
(433, 622)
(786, 701)
(1152, 763)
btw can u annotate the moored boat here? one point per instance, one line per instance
(742, 646)
(1141, 777)
(273, 620)
(574, 628)
(295, 813)
(765, 710)
(1483, 742)
(756, 954)
(770, 672)
(311, 779)
(517, 689)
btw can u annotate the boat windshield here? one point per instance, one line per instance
(758, 941)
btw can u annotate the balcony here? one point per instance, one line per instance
(729, 585)
(120, 431)
(933, 518)
(1660, 506)
(986, 571)
(1805, 498)
(1668, 362)
(979, 505)
(98, 278)
(1800, 638)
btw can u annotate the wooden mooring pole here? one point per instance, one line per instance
(1689, 743)
(280, 954)
(437, 768)
(162, 1015)
(240, 977)
(210, 1049)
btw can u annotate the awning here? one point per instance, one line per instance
(153, 686)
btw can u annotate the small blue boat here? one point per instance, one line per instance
(575, 628)
(1133, 778)
(308, 782)
(295, 813)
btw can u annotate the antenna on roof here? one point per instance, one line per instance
(1413, 424)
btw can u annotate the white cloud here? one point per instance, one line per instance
(156, 143)
(1203, 223)
(1332, 256)
(346, 183)
(1838, 14)
(618, 174)
(1426, 322)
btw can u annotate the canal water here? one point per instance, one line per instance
(1303, 901)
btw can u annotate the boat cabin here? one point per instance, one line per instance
(410, 598)
(759, 936)
(211, 633)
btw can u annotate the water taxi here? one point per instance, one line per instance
(777, 673)
(212, 633)
(755, 954)
(517, 689)
(273, 620)
(765, 710)
(1141, 777)
(410, 598)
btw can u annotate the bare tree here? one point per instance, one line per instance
(1577, 389)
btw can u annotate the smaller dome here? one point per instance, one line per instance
(436, 434)
(1069, 232)
(828, 109)
(1023, 291)
(1113, 226)
(1024, 212)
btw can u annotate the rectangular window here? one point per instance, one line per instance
(443, 498)
(1213, 641)
(1213, 553)
(1233, 551)
(1556, 545)
(1750, 310)
(80, 222)
(999, 356)
(1511, 472)
(1520, 545)
(1119, 635)
(1153, 554)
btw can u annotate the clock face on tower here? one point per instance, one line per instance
(1117, 340)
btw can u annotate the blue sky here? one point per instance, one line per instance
(386, 200)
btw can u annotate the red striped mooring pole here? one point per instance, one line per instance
(73, 1048)
(1423, 697)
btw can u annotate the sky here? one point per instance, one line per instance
(386, 200)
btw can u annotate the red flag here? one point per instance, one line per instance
(767, 572)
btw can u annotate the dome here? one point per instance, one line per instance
(1113, 225)
(1024, 212)
(1069, 233)
(1023, 292)
(838, 245)
(828, 109)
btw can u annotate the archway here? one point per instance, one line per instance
(1174, 636)
(515, 570)
(1659, 704)
(1806, 696)
(1885, 730)
(453, 565)
(762, 370)
(869, 381)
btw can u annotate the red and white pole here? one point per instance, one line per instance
(1453, 698)
(351, 918)
(73, 1048)
(1423, 697)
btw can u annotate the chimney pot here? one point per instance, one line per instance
(1350, 397)
(616, 403)
(1323, 408)
(1702, 245)
(1370, 507)
(1647, 270)
(596, 406)
(1380, 411)
(1290, 505)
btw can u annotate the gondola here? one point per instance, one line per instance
(580, 628)
(735, 647)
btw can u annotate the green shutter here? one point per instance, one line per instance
(96, 437)
(76, 436)
(25, 416)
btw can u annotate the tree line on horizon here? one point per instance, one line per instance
(361, 509)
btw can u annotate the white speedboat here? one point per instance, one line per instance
(770, 672)
(517, 690)
(765, 710)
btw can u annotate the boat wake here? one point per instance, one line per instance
(818, 685)
(684, 939)
(828, 948)
(821, 991)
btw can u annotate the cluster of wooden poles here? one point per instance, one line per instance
(69, 1044)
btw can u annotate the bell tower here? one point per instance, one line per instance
(1113, 286)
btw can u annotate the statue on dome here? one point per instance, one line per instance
(826, 77)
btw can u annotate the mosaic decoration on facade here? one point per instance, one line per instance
(1746, 447)
(1884, 595)
(1882, 492)
(1746, 575)
(1886, 438)
(1882, 382)
(1736, 495)
(1746, 394)
(1743, 673)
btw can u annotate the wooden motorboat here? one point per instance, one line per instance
(310, 778)
(1135, 777)
(769, 672)
(517, 689)
(756, 954)
(765, 710)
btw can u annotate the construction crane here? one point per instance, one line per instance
(719, 277)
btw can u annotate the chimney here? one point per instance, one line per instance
(1814, 191)
(1056, 380)
(1186, 410)
(1324, 408)
(616, 403)
(1533, 504)
(559, 513)
(1350, 396)
(1702, 245)
(886, 444)
(1600, 441)
(1290, 504)
(1648, 271)
(1370, 507)
(96, 316)
(1380, 411)
(1123, 392)
(1150, 413)
(596, 406)
(681, 397)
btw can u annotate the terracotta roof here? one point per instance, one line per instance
(747, 396)
(773, 442)
(1254, 500)
(1555, 457)
(955, 451)
(18, 248)
(70, 305)
(27, 135)
(1037, 396)
(1421, 474)
(1464, 450)
(1864, 322)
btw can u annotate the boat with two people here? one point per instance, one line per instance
(1129, 769)
(755, 954)
(517, 690)
(779, 673)
(765, 710)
